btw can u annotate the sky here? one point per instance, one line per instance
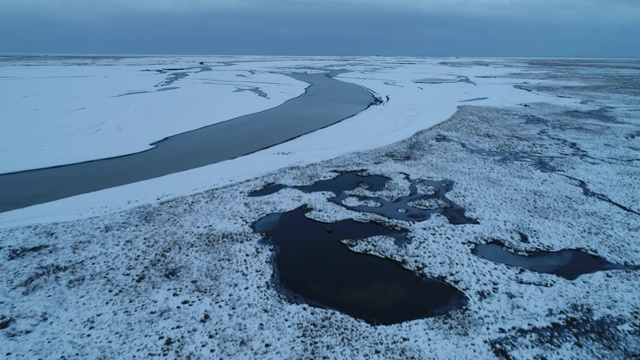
(532, 28)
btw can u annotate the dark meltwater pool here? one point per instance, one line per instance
(568, 264)
(343, 182)
(314, 267)
(425, 198)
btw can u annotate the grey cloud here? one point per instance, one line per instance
(541, 10)
(401, 27)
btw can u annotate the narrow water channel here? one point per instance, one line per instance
(568, 263)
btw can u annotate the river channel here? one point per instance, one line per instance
(325, 102)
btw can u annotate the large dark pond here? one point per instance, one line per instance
(315, 267)
(325, 102)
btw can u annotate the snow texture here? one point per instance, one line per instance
(65, 112)
(170, 267)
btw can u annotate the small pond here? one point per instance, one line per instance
(568, 264)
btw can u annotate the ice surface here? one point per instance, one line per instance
(58, 112)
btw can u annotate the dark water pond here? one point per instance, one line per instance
(314, 267)
(426, 197)
(568, 264)
(325, 102)
(343, 182)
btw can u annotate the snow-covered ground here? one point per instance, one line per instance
(420, 93)
(171, 266)
(60, 112)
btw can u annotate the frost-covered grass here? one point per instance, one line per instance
(186, 276)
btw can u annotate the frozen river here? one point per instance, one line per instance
(325, 102)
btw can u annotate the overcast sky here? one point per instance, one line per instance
(550, 28)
